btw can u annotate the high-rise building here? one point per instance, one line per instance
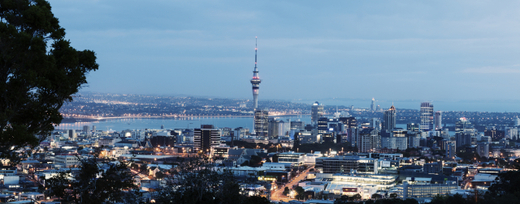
(278, 128)
(323, 125)
(261, 122)
(373, 105)
(465, 134)
(369, 140)
(316, 112)
(255, 81)
(205, 137)
(375, 123)
(72, 135)
(350, 130)
(426, 115)
(297, 125)
(389, 119)
(461, 125)
(438, 120)
(412, 127)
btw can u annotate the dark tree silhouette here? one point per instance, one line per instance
(96, 182)
(197, 182)
(39, 71)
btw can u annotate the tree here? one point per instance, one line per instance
(357, 196)
(286, 191)
(256, 200)
(36, 79)
(300, 193)
(376, 196)
(255, 161)
(197, 182)
(95, 183)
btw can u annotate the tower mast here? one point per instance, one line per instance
(256, 79)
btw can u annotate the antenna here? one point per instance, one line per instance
(256, 49)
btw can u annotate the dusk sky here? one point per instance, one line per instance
(390, 50)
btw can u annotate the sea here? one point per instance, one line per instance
(439, 105)
(171, 123)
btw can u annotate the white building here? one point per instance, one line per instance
(66, 160)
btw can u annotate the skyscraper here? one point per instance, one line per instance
(261, 123)
(373, 105)
(351, 131)
(389, 119)
(316, 112)
(255, 81)
(438, 120)
(426, 115)
(205, 137)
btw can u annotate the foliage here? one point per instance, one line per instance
(256, 200)
(255, 161)
(357, 197)
(197, 182)
(95, 183)
(286, 191)
(376, 196)
(300, 193)
(36, 78)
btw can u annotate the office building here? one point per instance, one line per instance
(350, 130)
(278, 128)
(389, 120)
(450, 148)
(346, 164)
(412, 127)
(261, 123)
(72, 135)
(369, 140)
(316, 112)
(240, 133)
(375, 123)
(426, 191)
(205, 137)
(426, 116)
(438, 120)
(373, 105)
(86, 129)
(323, 125)
(297, 125)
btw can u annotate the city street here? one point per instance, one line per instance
(278, 194)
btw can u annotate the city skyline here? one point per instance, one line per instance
(205, 49)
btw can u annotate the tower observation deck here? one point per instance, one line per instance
(255, 81)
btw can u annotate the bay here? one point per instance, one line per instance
(171, 123)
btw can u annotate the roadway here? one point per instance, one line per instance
(277, 195)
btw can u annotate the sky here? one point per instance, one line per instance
(394, 51)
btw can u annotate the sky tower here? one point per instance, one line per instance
(256, 80)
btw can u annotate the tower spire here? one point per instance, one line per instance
(256, 79)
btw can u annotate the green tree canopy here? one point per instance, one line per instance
(39, 71)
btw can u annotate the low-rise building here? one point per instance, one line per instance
(344, 164)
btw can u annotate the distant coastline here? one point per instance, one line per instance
(93, 119)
